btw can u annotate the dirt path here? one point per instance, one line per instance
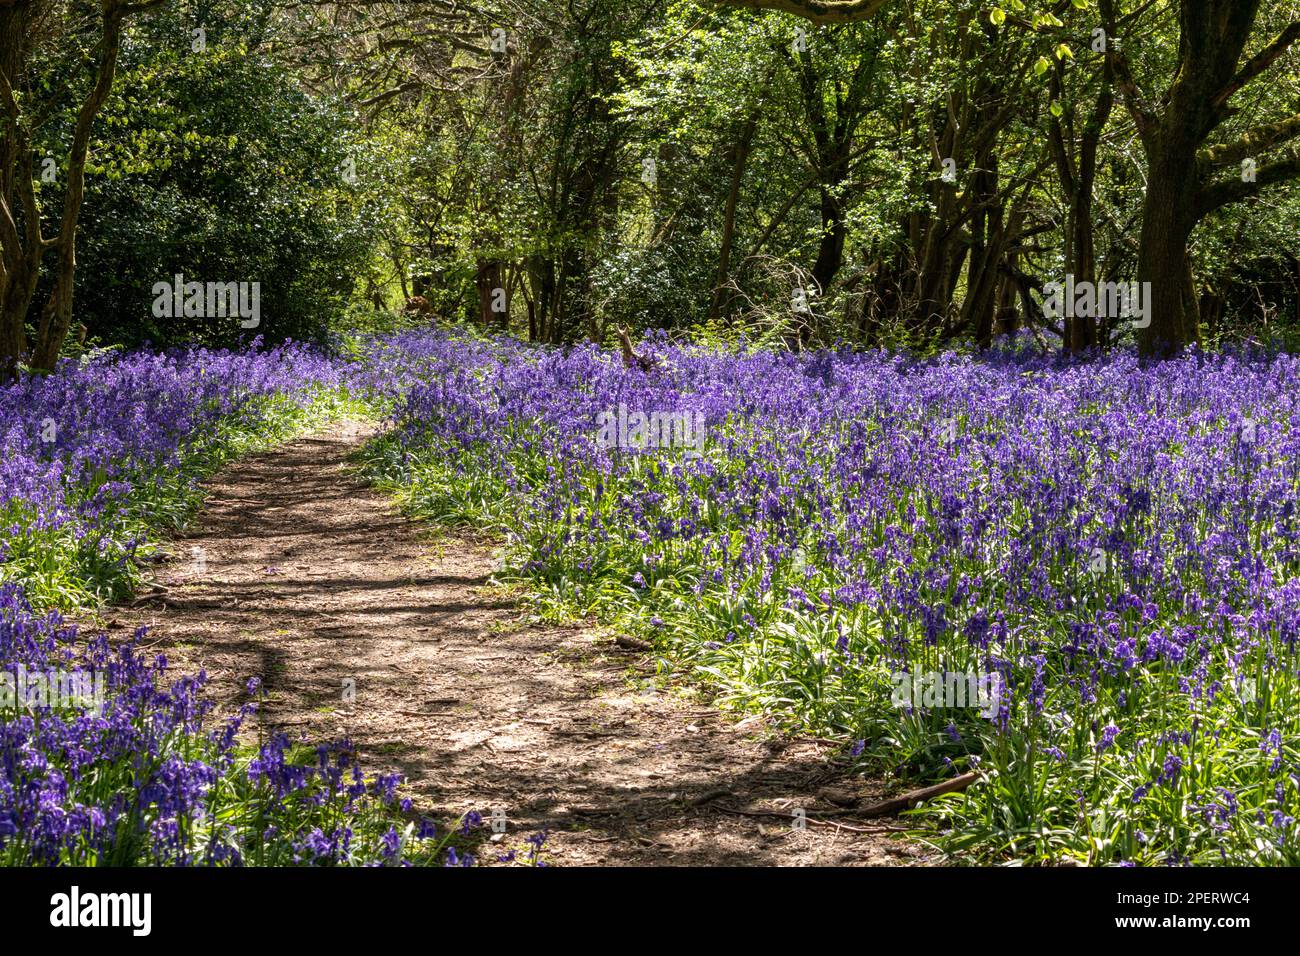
(310, 580)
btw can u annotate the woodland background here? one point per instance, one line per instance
(560, 168)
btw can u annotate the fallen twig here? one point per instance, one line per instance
(154, 595)
(708, 795)
(907, 801)
(633, 643)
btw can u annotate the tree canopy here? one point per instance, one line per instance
(904, 172)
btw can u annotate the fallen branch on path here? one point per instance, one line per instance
(887, 808)
(707, 796)
(156, 594)
(633, 643)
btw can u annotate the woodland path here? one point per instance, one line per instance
(311, 579)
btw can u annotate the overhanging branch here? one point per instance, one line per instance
(1257, 64)
(818, 11)
(1233, 190)
(1251, 143)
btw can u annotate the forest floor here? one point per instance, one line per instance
(364, 624)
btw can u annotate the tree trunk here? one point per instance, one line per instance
(830, 252)
(19, 261)
(988, 242)
(1168, 216)
(491, 294)
(1081, 262)
(13, 338)
(56, 317)
(740, 156)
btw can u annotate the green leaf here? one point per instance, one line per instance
(998, 16)
(1042, 65)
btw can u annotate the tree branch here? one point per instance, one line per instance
(818, 11)
(1253, 142)
(1143, 116)
(1233, 190)
(1257, 64)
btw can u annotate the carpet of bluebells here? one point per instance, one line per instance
(1121, 544)
(97, 457)
(93, 457)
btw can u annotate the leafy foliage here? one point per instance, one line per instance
(216, 165)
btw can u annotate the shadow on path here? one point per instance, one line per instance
(299, 574)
